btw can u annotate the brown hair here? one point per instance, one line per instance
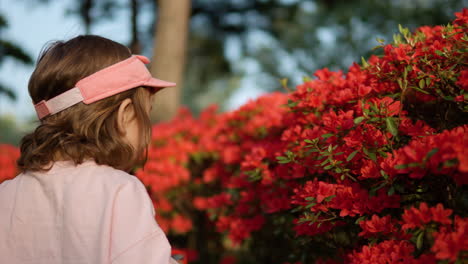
(82, 131)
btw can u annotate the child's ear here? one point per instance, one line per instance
(125, 114)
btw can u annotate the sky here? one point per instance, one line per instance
(33, 25)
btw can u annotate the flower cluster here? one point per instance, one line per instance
(432, 224)
(8, 156)
(357, 162)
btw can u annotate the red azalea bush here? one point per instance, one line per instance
(370, 166)
(8, 156)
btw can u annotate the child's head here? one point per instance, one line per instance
(112, 130)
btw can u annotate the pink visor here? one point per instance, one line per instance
(119, 77)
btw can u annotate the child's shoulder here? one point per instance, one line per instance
(105, 174)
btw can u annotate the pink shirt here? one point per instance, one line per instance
(79, 214)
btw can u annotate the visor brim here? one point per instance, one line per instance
(158, 84)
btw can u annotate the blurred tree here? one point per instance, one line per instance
(293, 38)
(9, 49)
(13, 130)
(169, 54)
(169, 42)
(271, 39)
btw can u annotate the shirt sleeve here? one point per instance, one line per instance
(135, 235)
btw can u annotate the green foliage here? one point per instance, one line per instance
(9, 49)
(11, 130)
(229, 38)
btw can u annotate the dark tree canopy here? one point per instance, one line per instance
(10, 49)
(272, 39)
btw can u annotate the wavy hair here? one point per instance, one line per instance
(82, 131)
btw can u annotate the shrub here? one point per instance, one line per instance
(8, 156)
(364, 167)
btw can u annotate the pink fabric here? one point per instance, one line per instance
(119, 77)
(79, 214)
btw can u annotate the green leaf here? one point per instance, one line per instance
(419, 240)
(400, 83)
(401, 166)
(450, 162)
(283, 160)
(366, 151)
(419, 90)
(362, 218)
(430, 154)
(409, 165)
(358, 120)
(428, 81)
(391, 191)
(351, 156)
(327, 135)
(397, 39)
(422, 83)
(292, 103)
(212, 216)
(364, 62)
(374, 190)
(384, 174)
(329, 198)
(297, 209)
(254, 175)
(414, 165)
(391, 126)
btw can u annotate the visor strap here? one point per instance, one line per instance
(58, 103)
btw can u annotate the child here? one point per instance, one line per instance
(73, 201)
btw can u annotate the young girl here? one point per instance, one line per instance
(74, 202)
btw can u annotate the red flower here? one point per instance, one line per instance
(387, 106)
(414, 218)
(369, 170)
(8, 156)
(377, 226)
(389, 251)
(239, 228)
(463, 79)
(462, 17)
(228, 260)
(449, 244)
(444, 154)
(275, 200)
(312, 229)
(181, 224)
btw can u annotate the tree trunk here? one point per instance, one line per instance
(169, 50)
(135, 45)
(85, 13)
